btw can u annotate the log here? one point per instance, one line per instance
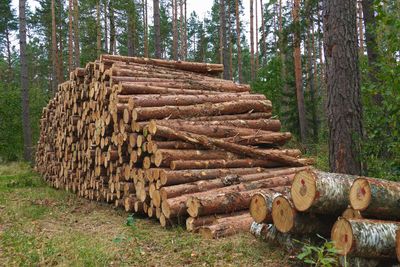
(164, 157)
(222, 181)
(183, 100)
(365, 238)
(193, 224)
(269, 233)
(244, 116)
(133, 88)
(223, 202)
(376, 198)
(182, 65)
(321, 192)
(261, 207)
(213, 143)
(171, 177)
(227, 226)
(287, 220)
(216, 164)
(206, 109)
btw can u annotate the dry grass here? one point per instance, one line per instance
(40, 226)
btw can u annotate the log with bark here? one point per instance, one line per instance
(376, 198)
(365, 238)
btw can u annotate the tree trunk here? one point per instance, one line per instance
(26, 125)
(131, 31)
(174, 30)
(298, 71)
(112, 28)
(252, 70)
(370, 40)
(105, 3)
(283, 74)
(261, 206)
(360, 27)
(257, 55)
(224, 47)
(145, 27)
(157, 30)
(76, 34)
(182, 35)
(70, 38)
(98, 28)
(365, 238)
(343, 80)
(215, 164)
(60, 43)
(321, 192)
(263, 36)
(376, 198)
(54, 51)
(239, 48)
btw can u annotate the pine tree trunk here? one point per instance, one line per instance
(145, 27)
(157, 30)
(70, 38)
(8, 45)
(76, 34)
(263, 41)
(98, 28)
(54, 52)
(174, 30)
(282, 55)
(26, 125)
(223, 45)
(257, 55)
(370, 38)
(360, 27)
(252, 71)
(298, 71)
(239, 48)
(60, 43)
(106, 26)
(112, 28)
(343, 80)
(182, 35)
(131, 30)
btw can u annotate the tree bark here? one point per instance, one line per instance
(76, 34)
(365, 238)
(263, 36)
(252, 67)
(343, 80)
(106, 15)
(321, 192)
(227, 226)
(157, 29)
(256, 64)
(98, 28)
(239, 48)
(26, 125)
(112, 28)
(360, 27)
(376, 198)
(224, 47)
(70, 38)
(298, 71)
(174, 30)
(54, 50)
(370, 40)
(145, 23)
(193, 224)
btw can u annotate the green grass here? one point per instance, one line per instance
(41, 226)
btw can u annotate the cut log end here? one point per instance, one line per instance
(342, 236)
(193, 206)
(258, 208)
(360, 194)
(351, 213)
(303, 190)
(282, 214)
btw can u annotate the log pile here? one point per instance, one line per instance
(359, 214)
(167, 139)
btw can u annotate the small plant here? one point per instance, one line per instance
(324, 255)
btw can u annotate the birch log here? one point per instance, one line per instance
(365, 238)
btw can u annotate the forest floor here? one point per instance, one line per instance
(41, 226)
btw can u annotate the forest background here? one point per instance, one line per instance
(282, 56)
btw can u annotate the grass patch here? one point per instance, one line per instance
(42, 226)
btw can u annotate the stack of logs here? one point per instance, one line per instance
(360, 214)
(167, 139)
